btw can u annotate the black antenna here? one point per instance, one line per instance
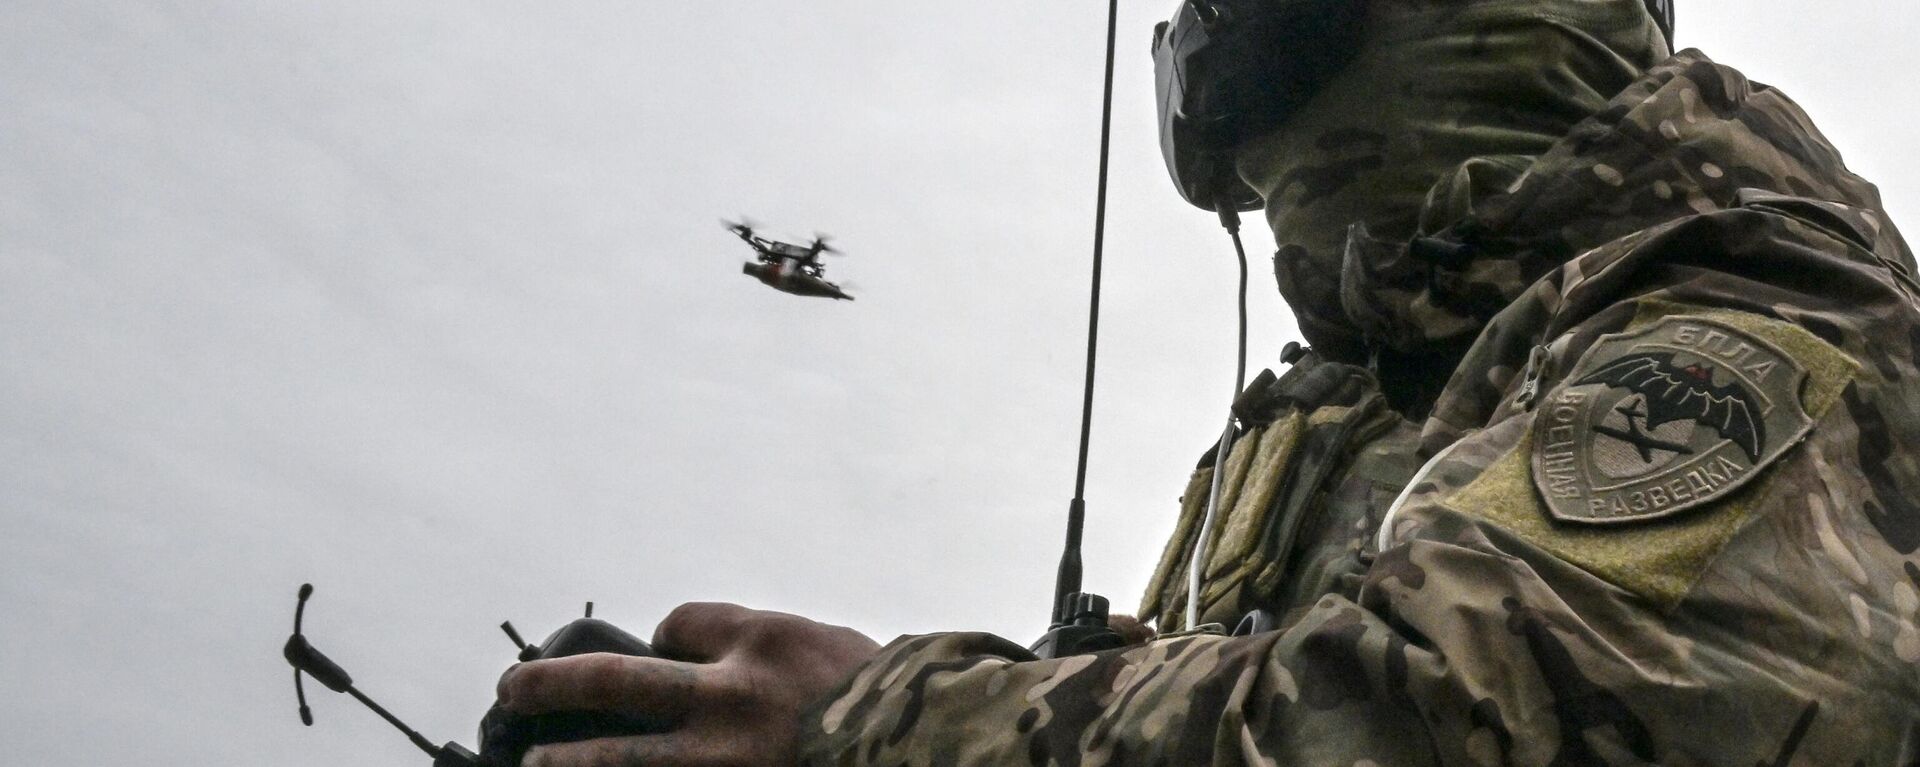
(306, 658)
(1067, 582)
(299, 689)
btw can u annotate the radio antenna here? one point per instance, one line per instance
(307, 659)
(1067, 582)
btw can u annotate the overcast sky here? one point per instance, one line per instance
(427, 303)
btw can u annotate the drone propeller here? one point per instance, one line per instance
(822, 243)
(743, 226)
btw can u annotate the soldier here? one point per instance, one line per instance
(1604, 454)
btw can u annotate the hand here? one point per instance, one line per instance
(737, 687)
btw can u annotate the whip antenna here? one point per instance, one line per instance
(1067, 582)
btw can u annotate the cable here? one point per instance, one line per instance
(1230, 220)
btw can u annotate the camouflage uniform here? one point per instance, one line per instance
(1663, 510)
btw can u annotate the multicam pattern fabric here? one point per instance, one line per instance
(1493, 83)
(1777, 625)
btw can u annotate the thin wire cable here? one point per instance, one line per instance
(1068, 579)
(1196, 567)
(1240, 251)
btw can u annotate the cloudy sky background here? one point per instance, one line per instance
(426, 303)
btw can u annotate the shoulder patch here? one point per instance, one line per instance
(1668, 416)
(1662, 558)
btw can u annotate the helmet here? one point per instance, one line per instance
(1226, 70)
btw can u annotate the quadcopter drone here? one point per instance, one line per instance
(787, 267)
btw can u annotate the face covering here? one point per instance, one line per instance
(1446, 103)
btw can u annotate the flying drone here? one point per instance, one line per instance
(787, 267)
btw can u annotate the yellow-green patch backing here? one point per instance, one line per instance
(1659, 559)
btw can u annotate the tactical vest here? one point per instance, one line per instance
(1319, 459)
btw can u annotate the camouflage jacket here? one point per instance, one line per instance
(1664, 512)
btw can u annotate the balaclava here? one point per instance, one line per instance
(1446, 103)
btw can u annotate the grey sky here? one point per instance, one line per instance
(427, 303)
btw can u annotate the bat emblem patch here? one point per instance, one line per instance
(1665, 418)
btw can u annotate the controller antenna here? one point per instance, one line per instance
(307, 659)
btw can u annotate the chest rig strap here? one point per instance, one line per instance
(1297, 430)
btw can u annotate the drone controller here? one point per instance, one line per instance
(510, 735)
(504, 736)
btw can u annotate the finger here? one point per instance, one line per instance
(1130, 629)
(604, 682)
(669, 750)
(701, 631)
